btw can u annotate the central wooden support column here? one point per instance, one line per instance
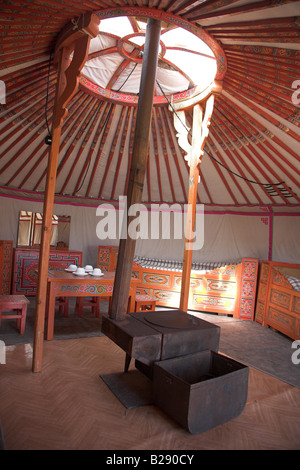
(138, 167)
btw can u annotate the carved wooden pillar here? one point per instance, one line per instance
(201, 123)
(191, 212)
(77, 41)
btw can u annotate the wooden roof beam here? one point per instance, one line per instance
(215, 88)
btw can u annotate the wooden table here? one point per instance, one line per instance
(66, 284)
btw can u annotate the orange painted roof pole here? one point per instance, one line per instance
(74, 39)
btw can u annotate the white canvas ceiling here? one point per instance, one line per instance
(252, 153)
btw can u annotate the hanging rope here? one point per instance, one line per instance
(132, 70)
(269, 187)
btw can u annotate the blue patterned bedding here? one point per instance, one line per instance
(295, 282)
(168, 265)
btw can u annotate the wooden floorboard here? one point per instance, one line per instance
(68, 406)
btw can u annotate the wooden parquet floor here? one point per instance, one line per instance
(67, 406)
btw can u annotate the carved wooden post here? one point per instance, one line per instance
(192, 200)
(77, 41)
(194, 154)
(138, 166)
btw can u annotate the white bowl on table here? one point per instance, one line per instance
(71, 268)
(96, 272)
(80, 272)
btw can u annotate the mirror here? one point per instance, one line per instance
(30, 228)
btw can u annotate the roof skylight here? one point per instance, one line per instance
(114, 64)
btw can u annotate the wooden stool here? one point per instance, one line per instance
(144, 302)
(93, 302)
(17, 304)
(63, 305)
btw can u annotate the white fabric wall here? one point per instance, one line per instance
(228, 236)
(286, 238)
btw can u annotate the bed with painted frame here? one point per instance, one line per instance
(223, 290)
(278, 297)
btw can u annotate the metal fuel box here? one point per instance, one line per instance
(202, 390)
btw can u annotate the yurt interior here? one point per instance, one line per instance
(149, 235)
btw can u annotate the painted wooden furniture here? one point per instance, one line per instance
(6, 259)
(108, 264)
(16, 307)
(93, 302)
(278, 302)
(26, 265)
(107, 258)
(63, 305)
(229, 290)
(65, 284)
(144, 302)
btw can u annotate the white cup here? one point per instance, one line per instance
(97, 272)
(88, 268)
(80, 271)
(72, 267)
